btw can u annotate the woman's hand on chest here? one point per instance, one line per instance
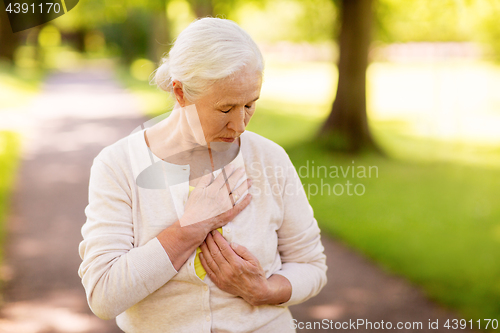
(233, 268)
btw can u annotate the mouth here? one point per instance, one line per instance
(228, 139)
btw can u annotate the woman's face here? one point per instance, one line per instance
(225, 110)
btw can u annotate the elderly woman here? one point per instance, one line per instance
(193, 223)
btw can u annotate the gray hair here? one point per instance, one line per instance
(209, 49)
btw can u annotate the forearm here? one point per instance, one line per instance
(279, 291)
(116, 280)
(179, 243)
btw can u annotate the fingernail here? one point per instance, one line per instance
(250, 182)
(234, 245)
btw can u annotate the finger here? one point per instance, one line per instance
(215, 252)
(207, 267)
(234, 178)
(240, 191)
(224, 247)
(225, 199)
(208, 257)
(239, 207)
(221, 179)
(243, 252)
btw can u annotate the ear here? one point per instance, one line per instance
(179, 93)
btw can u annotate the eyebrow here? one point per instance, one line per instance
(232, 104)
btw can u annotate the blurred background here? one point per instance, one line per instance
(409, 90)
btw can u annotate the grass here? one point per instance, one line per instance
(9, 157)
(431, 211)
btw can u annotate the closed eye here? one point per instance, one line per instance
(225, 111)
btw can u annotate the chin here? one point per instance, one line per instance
(221, 146)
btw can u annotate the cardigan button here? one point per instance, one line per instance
(208, 318)
(205, 288)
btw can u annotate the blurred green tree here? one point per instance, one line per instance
(202, 8)
(134, 29)
(217, 8)
(346, 128)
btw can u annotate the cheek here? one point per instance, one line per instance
(247, 118)
(215, 125)
(248, 115)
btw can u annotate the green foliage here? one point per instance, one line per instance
(290, 20)
(419, 20)
(489, 32)
(131, 37)
(9, 156)
(446, 20)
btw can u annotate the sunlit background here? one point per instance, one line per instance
(433, 104)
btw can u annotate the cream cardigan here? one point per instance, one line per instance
(128, 275)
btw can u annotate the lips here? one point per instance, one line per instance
(227, 139)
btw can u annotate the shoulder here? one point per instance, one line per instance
(261, 148)
(116, 155)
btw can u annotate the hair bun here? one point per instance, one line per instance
(162, 76)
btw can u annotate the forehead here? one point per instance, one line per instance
(239, 88)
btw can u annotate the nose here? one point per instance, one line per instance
(237, 122)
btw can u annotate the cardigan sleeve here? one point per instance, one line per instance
(115, 274)
(299, 242)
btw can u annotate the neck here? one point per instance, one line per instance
(178, 134)
(179, 139)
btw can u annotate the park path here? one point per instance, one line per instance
(77, 115)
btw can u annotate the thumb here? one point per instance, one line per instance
(243, 252)
(206, 179)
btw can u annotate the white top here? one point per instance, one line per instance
(128, 275)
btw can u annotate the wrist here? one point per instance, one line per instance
(178, 242)
(275, 291)
(278, 291)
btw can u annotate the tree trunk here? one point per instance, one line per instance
(159, 43)
(346, 128)
(202, 8)
(8, 40)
